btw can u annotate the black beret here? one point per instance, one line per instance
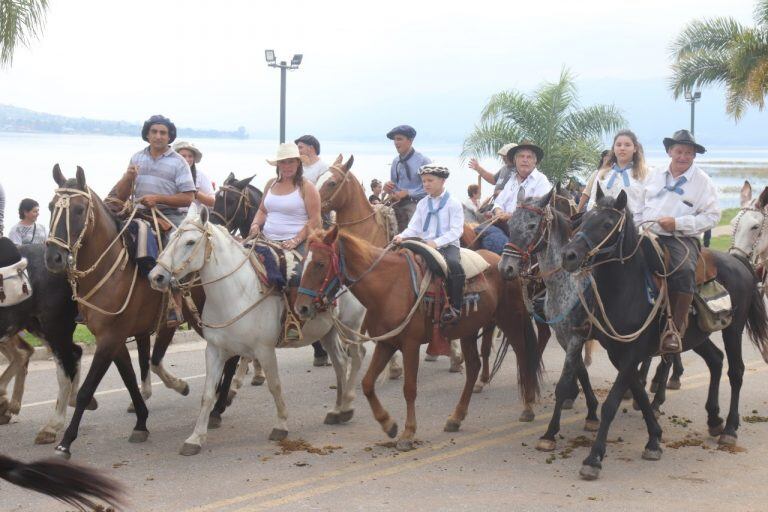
(158, 119)
(404, 130)
(309, 140)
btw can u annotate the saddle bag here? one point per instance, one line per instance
(712, 305)
(15, 286)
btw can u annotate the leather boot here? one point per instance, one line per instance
(174, 317)
(672, 339)
(291, 325)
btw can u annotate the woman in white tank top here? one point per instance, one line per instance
(290, 209)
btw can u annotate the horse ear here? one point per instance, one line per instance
(348, 165)
(230, 178)
(545, 200)
(520, 195)
(599, 195)
(81, 178)
(339, 160)
(746, 194)
(204, 215)
(58, 177)
(762, 201)
(621, 201)
(331, 234)
(244, 182)
(193, 211)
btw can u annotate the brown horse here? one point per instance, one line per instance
(116, 302)
(383, 284)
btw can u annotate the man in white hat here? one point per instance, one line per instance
(527, 178)
(502, 175)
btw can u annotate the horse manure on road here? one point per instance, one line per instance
(300, 445)
(688, 441)
(755, 419)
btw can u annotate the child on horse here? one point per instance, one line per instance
(439, 221)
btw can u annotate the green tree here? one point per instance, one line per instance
(20, 22)
(570, 136)
(724, 52)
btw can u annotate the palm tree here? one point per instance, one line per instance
(571, 137)
(722, 51)
(20, 22)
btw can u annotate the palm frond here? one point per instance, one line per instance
(488, 137)
(761, 13)
(593, 121)
(21, 21)
(712, 35)
(698, 69)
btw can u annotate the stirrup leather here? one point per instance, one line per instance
(291, 324)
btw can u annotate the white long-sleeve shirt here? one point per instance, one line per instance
(451, 221)
(535, 185)
(695, 210)
(634, 189)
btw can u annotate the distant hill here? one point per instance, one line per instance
(15, 119)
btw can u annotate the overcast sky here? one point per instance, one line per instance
(367, 65)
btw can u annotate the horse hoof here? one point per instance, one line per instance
(93, 405)
(45, 437)
(716, 430)
(527, 416)
(5, 419)
(591, 425)
(455, 368)
(278, 434)
(726, 440)
(188, 449)
(392, 432)
(130, 408)
(231, 396)
(404, 445)
(546, 445)
(332, 418)
(138, 436)
(478, 388)
(62, 452)
(588, 472)
(214, 421)
(655, 387)
(656, 413)
(321, 361)
(567, 404)
(257, 380)
(627, 396)
(452, 426)
(673, 384)
(185, 390)
(395, 373)
(345, 416)
(635, 405)
(649, 454)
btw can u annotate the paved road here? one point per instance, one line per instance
(489, 465)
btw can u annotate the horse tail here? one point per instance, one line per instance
(757, 322)
(69, 483)
(530, 364)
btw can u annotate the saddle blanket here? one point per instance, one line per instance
(472, 263)
(142, 245)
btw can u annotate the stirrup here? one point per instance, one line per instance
(675, 335)
(292, 328)
(450, 316)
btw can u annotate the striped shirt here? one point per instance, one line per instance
(167, 175)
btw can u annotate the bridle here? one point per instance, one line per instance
(203, 242)
(243, 201)
(61, 209)
(525, 255)
(601, 247)
(345, 178)
(751, 256)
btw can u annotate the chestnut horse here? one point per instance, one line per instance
(382, 282)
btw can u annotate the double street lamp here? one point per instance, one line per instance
(692, 98)
(294, 64)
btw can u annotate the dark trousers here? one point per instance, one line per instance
(404, 210)
(683, 280)
(455, 283)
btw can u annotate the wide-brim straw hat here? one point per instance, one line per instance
(526, 144)
(285, 151)
(505, 149)
(683, 137)
(182, 144)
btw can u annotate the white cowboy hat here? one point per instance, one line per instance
(182, 144)
(505, 149)
(285, 151)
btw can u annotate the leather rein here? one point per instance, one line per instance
(243, 201)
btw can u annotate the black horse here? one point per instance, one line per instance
(620, 274)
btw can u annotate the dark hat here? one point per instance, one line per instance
(434, 170)
(404, 130)
(526, 144)
(158, 119)
(309, 140)
(683, 137)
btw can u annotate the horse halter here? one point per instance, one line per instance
(205, 239)
(597, 249)
(244, 202)
(345, 175)
(61, 209)
(750, 256)
(525, 255)
(333, 279)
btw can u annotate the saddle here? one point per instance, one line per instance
(15, 286)
(472, 263)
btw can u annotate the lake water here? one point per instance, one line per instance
(27, 161)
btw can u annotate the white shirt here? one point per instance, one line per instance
(695, 210)
(313, 172)
(203, 185)
(634, 190)
(451, 221)
(535, 185)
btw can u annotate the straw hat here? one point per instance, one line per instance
(505, 149)
(182, 144)
(285, 151)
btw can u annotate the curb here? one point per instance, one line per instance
(43, 353)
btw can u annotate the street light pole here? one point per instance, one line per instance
(284, 67)
(692, 99)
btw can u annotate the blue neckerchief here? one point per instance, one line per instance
(434, 212)
(676, 187)
(618, 172)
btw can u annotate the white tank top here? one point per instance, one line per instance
(286, 215)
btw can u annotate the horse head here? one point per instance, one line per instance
(334, 186)
(322, 274)
(187, 251)
(71, 219)
(527, 235)
(601, 231)
(235, 204)
(750, 225)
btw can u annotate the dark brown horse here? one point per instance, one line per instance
(382, 282)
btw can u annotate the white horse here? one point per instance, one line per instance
(238, 319)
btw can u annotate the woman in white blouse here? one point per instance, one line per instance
(625, 169)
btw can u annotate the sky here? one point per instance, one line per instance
(367, 67)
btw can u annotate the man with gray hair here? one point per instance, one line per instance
(502, 175)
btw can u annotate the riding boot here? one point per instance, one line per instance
(291, 324)
(174, 316)
(455, 287)
(672, 339)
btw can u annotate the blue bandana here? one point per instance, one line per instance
(619, 172)
(434, 212)
(677, 186)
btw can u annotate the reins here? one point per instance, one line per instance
(244, 202)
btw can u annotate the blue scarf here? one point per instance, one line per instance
(618, 172)
(434, 212)
(676, 187)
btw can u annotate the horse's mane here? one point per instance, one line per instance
(351, 243)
